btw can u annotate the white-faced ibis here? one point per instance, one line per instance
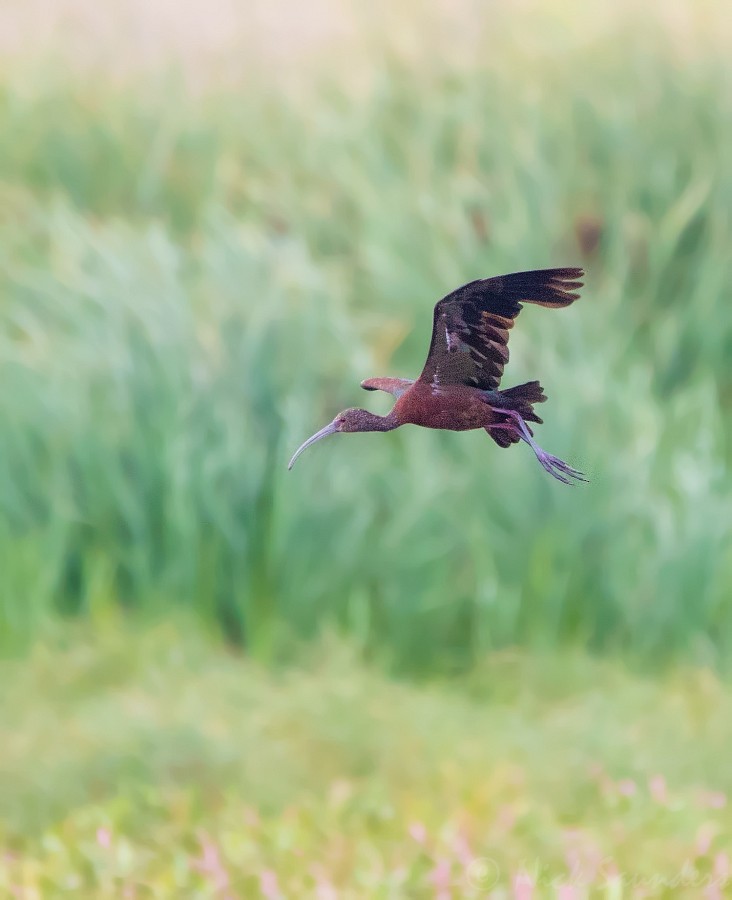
(458, 387)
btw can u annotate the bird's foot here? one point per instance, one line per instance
(557, 467)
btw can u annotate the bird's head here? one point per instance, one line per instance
(348, 420)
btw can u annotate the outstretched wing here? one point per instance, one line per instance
(470, 327)
(395, 386)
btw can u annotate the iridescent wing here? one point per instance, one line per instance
(471, 325)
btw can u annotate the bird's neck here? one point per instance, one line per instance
(372, 422)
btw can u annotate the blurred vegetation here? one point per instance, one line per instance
(162, 768)
(200, 258)
(192, 282)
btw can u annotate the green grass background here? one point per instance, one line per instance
(203, 250)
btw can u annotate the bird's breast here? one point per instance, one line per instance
(448, 409)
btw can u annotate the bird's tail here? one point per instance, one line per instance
(522, 399)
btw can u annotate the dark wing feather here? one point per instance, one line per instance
(470, 327)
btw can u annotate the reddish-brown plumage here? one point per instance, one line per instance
(454, 408)
(458, 389)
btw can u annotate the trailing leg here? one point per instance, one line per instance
(520, 431)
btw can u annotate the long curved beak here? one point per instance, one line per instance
(324, 432)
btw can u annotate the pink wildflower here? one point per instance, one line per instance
(627, 787)
(418, 832)
(658, 789)
(269, 885)
(523, 886)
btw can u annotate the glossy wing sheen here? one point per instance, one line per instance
(470, 327)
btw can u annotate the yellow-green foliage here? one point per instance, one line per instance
(151, 766)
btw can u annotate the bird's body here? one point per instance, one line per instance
(453, 407)
(458, 389)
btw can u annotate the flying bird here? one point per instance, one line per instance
(458, 389)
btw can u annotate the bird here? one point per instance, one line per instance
(458, 389)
